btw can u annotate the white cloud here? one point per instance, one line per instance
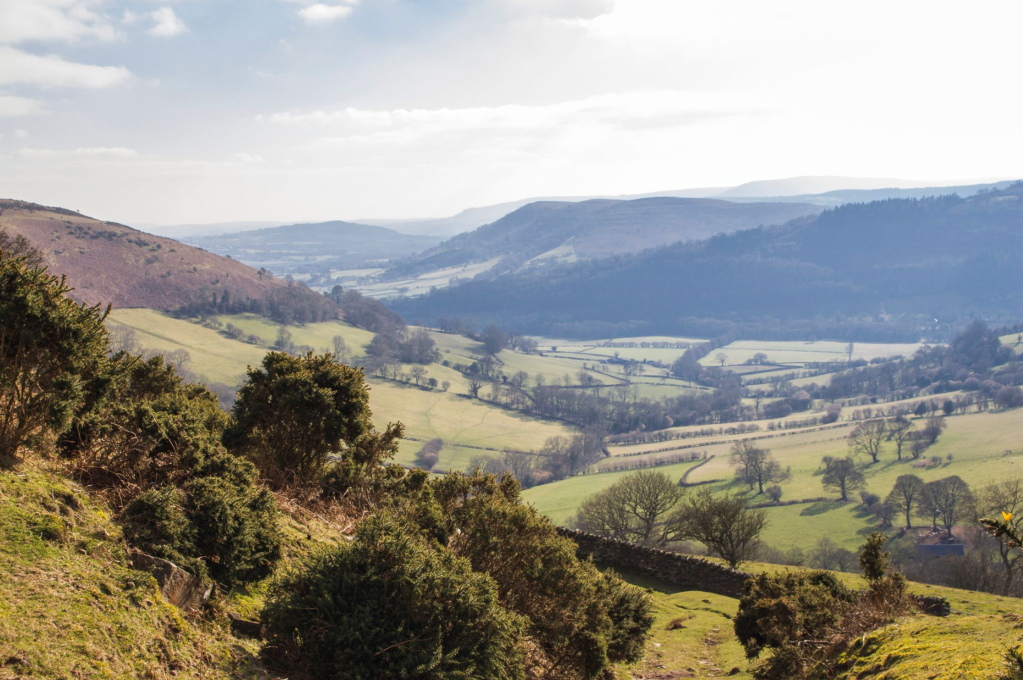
(17, 67)
(248, 158)
(167, 23)
(631, 111)
(321, 14)
(107, 152)
(53, 20)
(21, 134)
(11, 107)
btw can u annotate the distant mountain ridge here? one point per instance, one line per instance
(915, 260)
(818, 190)
(547, 232)
(334, 244)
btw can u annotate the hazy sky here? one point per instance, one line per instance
(164, 111)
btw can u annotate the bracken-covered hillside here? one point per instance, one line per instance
(108, 262)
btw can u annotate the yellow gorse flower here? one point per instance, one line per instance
(1007, 516)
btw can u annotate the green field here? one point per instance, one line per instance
(427, 414)
(804, 352)
(968, 645)
(985, 448)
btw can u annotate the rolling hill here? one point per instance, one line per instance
(320, 246)
(112, 263)
(553, 232)
(825, 191)
(923, 260)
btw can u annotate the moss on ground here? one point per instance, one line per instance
(70, 606)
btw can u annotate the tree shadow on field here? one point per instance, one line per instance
(820, 507)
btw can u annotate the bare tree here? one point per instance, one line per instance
(418, 373)
(827, 554)
(900, 430)
(340, 348)
(124, 339)
(721, 358)
(640, 508)
(521, 464)
(475, 385)
(725, 524)
(905, 496)
(755, 466)
(842, 475)
(953, 500)
(867, 438)
(1004, 500)
(178, 358)
(933, 429)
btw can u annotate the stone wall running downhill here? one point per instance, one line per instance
(685, 570)
(680, 570)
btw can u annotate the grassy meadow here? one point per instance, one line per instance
(985, 448)
(427, 414)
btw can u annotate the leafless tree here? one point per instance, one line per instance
(340, 349)
(842, 475)
(124, 339)
(641, 508)
(867, 438)
(1001, 500)
(725, 524)
(418, 373)
(905, 496)
(755, 466)
(900, 430)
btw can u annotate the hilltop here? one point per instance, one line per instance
(112, 263)
(551, 232)
(932, 257)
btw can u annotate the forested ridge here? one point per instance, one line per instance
(885, 270)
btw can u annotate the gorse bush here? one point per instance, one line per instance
(390, 605)
(294, 412)
(153, 441)
(580, 620)
(211, 527)
(50, 347)
(782, 611)
(807, 619)
(538, 607)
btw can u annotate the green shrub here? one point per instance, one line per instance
(579, 619)
(293, 412)
(390, 605)
(50, 347)
(781, 611)
(154, 441)
(212, 526)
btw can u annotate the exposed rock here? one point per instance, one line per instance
(184, 590)
(244, 627)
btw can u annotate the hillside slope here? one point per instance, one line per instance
(112, 263)
(599, 228)
(934, 257)
(71, 607)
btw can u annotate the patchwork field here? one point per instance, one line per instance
(421, 285)
(426, 413)
(985, 448)
(805, 352)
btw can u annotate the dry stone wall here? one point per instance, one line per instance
(685, 570)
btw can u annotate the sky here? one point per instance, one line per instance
(197, 111)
